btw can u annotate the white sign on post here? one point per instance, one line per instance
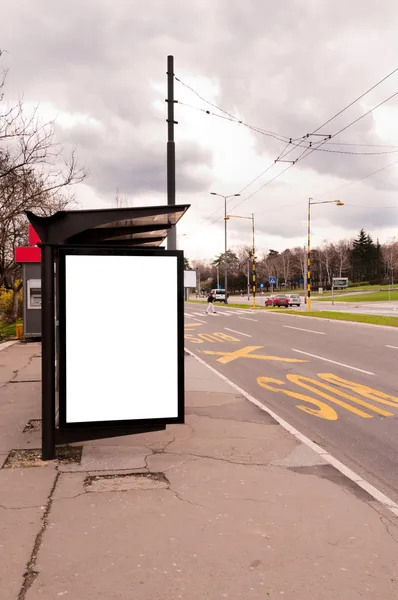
(190, 279)
(340, 282)
(121, 349)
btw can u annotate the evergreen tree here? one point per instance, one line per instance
(366, 259)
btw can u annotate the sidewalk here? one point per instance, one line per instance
(227, 506)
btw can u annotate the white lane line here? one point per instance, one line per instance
(198, 320)
(247, 319)
(333, 362)
(337, 464)
(392, 347)
(198, 314)
(308, 330)
(238, 332)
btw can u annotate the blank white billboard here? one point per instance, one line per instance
(121, 338)
(190, 279)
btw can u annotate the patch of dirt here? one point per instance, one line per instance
(22, 459)
(126, 482)
(32, 426)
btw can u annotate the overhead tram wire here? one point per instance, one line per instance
(340, 112)
(314, 148)
(304, 154)
(295, 142)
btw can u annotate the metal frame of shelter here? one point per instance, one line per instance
(136, 231)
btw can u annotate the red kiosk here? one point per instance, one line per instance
(30, 258)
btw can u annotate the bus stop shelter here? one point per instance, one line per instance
(112, 323)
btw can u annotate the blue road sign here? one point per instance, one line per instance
(301, 281)
(219, 286)
(272, 280)
(261, 285)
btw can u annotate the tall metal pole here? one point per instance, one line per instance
(48, 354)
(254, 265)
(305, 274)
(225, 251)
(171, 157)
(309, 257)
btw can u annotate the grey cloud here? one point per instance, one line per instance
(284, 66)
(122, 162)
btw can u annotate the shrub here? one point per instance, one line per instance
(6, 305)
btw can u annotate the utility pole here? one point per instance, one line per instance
(225, 251)
(171, 155)
(309, 255)
(305, 274)
(254, 265)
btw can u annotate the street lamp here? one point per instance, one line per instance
(253, 253)
(310, 203)
(225, 239)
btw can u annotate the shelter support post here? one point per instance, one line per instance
(48, 353)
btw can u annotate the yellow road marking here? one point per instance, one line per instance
(304, 381)
(220, 337)
(227, 357)
(323, 411)
(192, 338)
(192, 325)
(362, 390)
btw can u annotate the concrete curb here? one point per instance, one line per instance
(341, 467)
(5, 345)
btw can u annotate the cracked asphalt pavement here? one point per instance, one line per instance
(335, 382)
(221, 507)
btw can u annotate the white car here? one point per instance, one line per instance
(219, 295)
(294, 299)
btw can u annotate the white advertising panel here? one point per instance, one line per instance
(121, 338)
(190, 279)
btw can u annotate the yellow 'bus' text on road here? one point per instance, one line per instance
(323, 410)
(219, 337)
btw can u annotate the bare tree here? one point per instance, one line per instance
(299, 261)
(327, 255)
(389, 253)
(122, 201)
(343, 253)
(34, 175)
(286, 263)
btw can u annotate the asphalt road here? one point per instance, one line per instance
(343, 395)
(387, 309)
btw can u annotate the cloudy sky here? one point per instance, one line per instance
(282, 67)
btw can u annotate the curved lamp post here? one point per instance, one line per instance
(311, 203)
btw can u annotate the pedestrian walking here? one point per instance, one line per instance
(210, 308)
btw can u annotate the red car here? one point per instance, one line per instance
(279, 300)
